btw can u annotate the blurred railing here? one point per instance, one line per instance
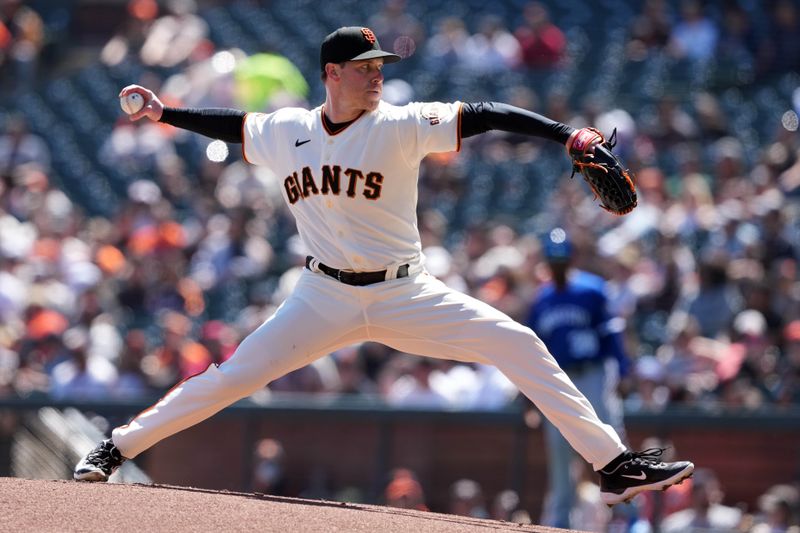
(710, 415)
(48, 442)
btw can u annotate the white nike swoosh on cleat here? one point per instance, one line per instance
(639, 477)
(610, 498)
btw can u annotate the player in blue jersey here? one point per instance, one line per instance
(570, 314)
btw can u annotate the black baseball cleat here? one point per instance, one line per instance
(635, 472)
(100, 463)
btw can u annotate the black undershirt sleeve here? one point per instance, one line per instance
(484, 116)
(226, 124)
(217, 123)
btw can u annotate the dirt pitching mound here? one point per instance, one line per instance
(62, 506)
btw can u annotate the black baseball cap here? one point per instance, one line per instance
(352, 43)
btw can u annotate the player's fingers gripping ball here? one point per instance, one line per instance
(131, 103)
(611, 182)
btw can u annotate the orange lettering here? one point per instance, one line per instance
(368, 35)
(292, 191)
(373, 185)
(354, 175)
(308, 182)
(330, 179)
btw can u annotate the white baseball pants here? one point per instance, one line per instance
(599, 384)
(418, 315)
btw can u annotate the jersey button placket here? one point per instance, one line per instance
(335, 215)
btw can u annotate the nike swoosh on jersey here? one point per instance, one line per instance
(640, 477)
(298, 142)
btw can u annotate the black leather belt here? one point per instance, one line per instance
(356, 278)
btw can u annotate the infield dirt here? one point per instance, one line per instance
(66, 506)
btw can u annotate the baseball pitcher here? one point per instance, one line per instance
(349, 170)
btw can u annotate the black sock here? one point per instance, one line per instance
(610, 467)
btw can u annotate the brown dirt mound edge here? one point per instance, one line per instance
(65, 506)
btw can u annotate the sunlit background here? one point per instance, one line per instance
(133, 255)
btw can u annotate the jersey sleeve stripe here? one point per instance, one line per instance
(244, 139)
(458, 127)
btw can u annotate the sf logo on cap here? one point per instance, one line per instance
(368, 35)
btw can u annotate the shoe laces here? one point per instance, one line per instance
(104, 455)
(648, 457)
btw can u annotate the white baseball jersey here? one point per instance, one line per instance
(354, 196)
(354, 193)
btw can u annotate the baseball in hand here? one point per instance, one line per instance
(131, 103)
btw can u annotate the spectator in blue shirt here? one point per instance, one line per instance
(570, 314)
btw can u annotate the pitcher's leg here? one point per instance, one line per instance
(443, 323)
(298, 333)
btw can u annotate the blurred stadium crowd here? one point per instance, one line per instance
(133, 255)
